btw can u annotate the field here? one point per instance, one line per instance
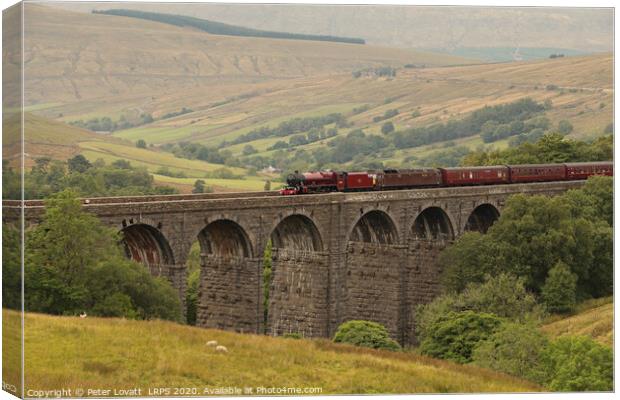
(118, 353)
(595, 319)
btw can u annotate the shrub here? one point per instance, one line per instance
(559, 290)
(565, 127)
(578, 363)
(514, 349)
(455, 335)
(292, 335)
(365, 334)
(387, 128)
(504, 296)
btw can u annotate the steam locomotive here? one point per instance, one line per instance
(391, 179)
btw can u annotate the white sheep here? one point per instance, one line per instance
(221, 349)
(212, 343)
(83, 315)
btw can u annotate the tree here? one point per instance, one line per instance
(565, 127)
(559, 290)
(79, 163)
(387, 127)
(455, 335)
(141, 144)
(365, 334)
(515, 349)
(469, 259)
(248, 149)
(199, 186)
(578, 363)
(74, 264)
(11, 267)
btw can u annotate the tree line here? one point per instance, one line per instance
(218, 28)
(48, 176)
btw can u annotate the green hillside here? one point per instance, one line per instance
(118, 353)
(50, 138)
(595, 319)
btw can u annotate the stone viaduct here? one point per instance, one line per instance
(335, 257)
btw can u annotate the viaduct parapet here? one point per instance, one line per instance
(335, 257)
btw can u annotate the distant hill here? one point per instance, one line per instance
(76, 57)
(218, 28)
(119, 353)
(445, 27)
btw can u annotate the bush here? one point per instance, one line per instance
(365, 334)
(514, 349)
(292, 335)
(559, 291)
(578, 363)
(504, 296)
(387, 128)
(565, 127)
(455, 335)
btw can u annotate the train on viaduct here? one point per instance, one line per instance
(336, 256)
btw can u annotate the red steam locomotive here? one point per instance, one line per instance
(391, 179)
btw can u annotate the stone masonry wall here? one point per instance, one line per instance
(421, 282)
(298, 293)
(374, 284)
(230, 294)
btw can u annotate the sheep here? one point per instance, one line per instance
(221, 349)
(83, 315)
(212, 343)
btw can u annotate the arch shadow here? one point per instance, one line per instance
(297, 232)
(432, 223)
(146, 244)
(482, 218)
(375, 226)
(225, 238)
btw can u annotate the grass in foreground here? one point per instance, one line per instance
(595, 320)
(117, 353)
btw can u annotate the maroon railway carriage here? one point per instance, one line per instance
(537, 173)
(464, 176)
(575, 171)
(356, 181)
(408, 178)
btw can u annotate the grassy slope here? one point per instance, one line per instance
(594, 319)
(119, 63)
(45, 137)
(116, 353)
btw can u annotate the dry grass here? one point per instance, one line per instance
(595, 319)
(117, 353)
